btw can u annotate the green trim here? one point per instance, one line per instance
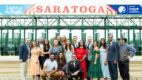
(24, 35)
(13, 36)
(133, 35)
(47, 34)
(35, 34)
(128, 36)
(117, 35)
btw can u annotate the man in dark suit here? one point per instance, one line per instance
(74, 69)
(113, 53)
(24, 55)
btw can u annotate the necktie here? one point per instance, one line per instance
(88, 45)
(75, 44)
(74, 63)
(28, 50)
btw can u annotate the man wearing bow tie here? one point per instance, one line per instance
(113, 52)
(74, 69)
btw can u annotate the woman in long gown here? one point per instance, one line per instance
(81, 53)
(95, 66)
(103, 59)
(33, 65)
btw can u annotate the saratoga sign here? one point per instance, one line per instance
(69, 9)
(92, 9)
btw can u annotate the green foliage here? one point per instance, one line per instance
(52, 40)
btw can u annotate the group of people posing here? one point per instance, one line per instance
(78, 60)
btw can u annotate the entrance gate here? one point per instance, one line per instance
(132, 24)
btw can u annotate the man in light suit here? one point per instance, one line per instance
(89, 46)
(75, 44)
(113, 53)
(24, 56)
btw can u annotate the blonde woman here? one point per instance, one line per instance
(34, 66)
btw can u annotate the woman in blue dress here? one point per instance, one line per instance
(56, 48)
(103, 59)
(95, 66)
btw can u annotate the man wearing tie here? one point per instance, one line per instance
(74, 69)
(24, 55)
(89, 46)
(113, 52)
(75, 44)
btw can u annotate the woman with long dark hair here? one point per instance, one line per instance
(81, 54)
(46, 47)
(95, 66)
(33, 65)
(103, 58)
(68, 50)
(45, 52)
(61, 61)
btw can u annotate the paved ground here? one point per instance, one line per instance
(10, 68)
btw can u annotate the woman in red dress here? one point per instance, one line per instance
(81, 53)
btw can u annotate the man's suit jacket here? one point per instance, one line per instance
(24, 54)
(71, 68)
(113, 51)
(89, 50)
(74, 45)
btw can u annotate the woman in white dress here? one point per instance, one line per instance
(68, 50)
(103, 59)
